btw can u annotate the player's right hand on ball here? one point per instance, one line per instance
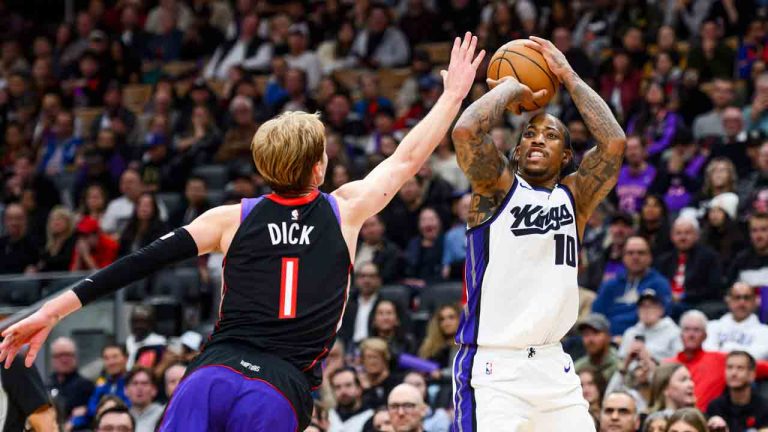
(519, 95)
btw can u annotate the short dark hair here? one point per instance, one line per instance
(139, 370)
(750, 360)
(194, 177)
(349, 369)
(121, 347)
(117, 410)
(758, 215)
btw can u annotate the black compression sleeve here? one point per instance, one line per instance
(168, 249)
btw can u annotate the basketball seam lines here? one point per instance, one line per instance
(554, 89)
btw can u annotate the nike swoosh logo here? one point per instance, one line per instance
(567, 369)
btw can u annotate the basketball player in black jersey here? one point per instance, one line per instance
(288, 257)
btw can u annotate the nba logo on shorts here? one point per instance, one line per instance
(488, 368)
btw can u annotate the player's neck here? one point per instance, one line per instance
(298, 193)
(549, 183)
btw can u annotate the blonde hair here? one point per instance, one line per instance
(435, 340)
(286, 148)
(661, 378)
(377, 345)
(732, 175)
(51, 243)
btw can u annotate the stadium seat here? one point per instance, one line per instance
(436, 295)
(171, 200)
(168, 315)
(89, 343)
(399, 294)
(188, 279)
(216, 197)
(177, 68)
(216, 176)
(439, 52)
(20, 292)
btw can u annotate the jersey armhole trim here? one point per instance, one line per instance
(499, 209)
(334, 205)
(575, 213)
(247, 205)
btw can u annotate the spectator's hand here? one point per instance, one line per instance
(758, 106)
(717, 424)
(458, 79)
(556, 60)
(32, 330)
(82, 247)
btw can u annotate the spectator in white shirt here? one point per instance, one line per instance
(380, 44)
(120, 209)
(300, 58)
(659, 334)
(247, 50)
(739, 329)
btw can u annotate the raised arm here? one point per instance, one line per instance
(599, 169)
(362, 199)
(484, 165)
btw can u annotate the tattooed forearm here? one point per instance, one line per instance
(476, 154)
(483, 205)
(598, 117)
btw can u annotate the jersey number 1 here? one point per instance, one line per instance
(565, 250)
(289, 281)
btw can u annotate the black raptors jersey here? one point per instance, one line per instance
(286, 277)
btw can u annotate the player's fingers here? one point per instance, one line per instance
(466, 41)
(34, 348)
(540, 94)
(455, 49)
(533, 45)
(472, 47)
(478, 59)
(10, 356)
(444, 74)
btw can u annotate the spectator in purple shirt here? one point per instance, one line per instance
(635, 176)
(655, 121)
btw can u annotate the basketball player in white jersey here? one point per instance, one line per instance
(525, 224)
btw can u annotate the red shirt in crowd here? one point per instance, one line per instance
(707, 370)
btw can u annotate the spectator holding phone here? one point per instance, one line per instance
(655, 332)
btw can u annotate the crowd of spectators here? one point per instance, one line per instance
(133, 117)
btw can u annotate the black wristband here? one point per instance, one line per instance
(173, 247)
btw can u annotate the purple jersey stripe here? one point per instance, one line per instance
(247, 204)
(334, 205)
(476, 263)
(465, 418)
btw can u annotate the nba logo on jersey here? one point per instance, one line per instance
(488, 368)
(295, 215)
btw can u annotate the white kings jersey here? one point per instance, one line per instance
(521, 271)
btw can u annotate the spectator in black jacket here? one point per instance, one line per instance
(67, 387)
(741, 408)
(362, 301)
(694, 270)
(751, 265)
(195, 202)
(18, 252)
(144, 226)
(60, 241)
(376, 248)
(424, 255)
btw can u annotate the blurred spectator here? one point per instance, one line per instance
(445, 165)
(688, 419)
(237, 140)
(60, 147)
(406, 409)
(116, 116)
(18, 253)
(376, 378)
(620, 86)
(144, 227)
(656, 422)
(666, 73)
(693, 270)
(74, 49)
(756, 114)
(734, 142)
(93, 248)
(654, 332)
(420, 23)
(363, 299)
(194, 204)
(711, 57)
(435, 420)
(351, 412)
(429, 90)
(719, 178)
(172, 377)
(672, 388)
(593, 389)
(111, 382)
(374, 246)
(336, 53)
(635, 177)
(595, 333)
(722, 231)
(424, 253)
(654, 224)
(388, 322)
(577, 58)
(176, 12)
(248, 50)
(610, 265)
(741, 407)
(750, 265)
(750, 48)
(617, 298)
(655, 121)
(60, 241)
(15, 144)
(120, 210)
(711, 123)
(133, 37)
(401, 215)
(202, 37)
(455, 243)
(438, 345)
(26, 403)
(25, 177)
(301, 57)
(339, 119)
(141, 390)
(619, 413)
(740, 328)
(381, 421)
(380, 44)
(93, 202)
(371, 101)
(117, 419)
(143, 345)
(67, 387)
(200, 140)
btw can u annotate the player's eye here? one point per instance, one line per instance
(552, 136)
(528, 134)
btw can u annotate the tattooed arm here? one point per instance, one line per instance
(599, 169)
(485, 166)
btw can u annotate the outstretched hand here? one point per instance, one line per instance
(458, 79)
(556, 60)
(32, 330)
(519, 95)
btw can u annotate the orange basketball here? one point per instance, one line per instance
(527, 66)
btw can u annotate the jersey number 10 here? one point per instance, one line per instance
(565, 250)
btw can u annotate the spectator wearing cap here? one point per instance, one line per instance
(247, 50)
(421, 66)
(694, 270)
(68, 388)
(141, 389)
(706, 367)
(595, 333)
(18, 252)
(299, 57)
(381, 44)
(635, 177)
(617, 299)
(722, 231)
(710, 124)
(740, 328)
(656, 332)
(609, 265)
(430, 88)
(93, 249)
(740, 406)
